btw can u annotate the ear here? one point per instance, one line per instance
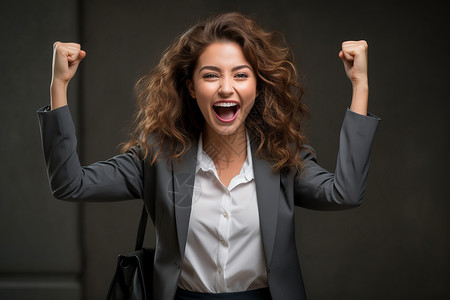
(191, 88)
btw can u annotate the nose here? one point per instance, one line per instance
(226, 88)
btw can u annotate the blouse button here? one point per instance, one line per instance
(225, 214)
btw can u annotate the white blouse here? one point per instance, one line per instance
(224, 251)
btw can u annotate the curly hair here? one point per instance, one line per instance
(168, 117)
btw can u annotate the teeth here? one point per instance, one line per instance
(225, 104)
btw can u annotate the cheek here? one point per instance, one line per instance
(249, 94)
(248, 106)
(249, 101)
(203, 95)
(203, 105)
(206, 89)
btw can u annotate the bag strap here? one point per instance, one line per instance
(141, 229)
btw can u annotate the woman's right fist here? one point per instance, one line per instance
(66, 57)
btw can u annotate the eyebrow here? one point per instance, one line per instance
(214, 68)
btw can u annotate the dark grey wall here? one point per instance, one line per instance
(40, 249)
(395, 246)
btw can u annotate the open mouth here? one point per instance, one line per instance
(226, 111)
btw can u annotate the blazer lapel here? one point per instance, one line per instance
(183, 188)
(267, 192)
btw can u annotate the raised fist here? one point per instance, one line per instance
(354, 57)
(66, 58)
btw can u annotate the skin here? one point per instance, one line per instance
(222, 83)
(223, 74)
(354, 57)
(66, 58)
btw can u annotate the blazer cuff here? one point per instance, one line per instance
(369, 114)
(48, 108)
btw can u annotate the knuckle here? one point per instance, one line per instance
(75, 45)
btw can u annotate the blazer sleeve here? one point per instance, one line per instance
(118, 178)
(316, 188)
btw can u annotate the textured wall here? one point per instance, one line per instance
(395, 246)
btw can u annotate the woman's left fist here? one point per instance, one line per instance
(354, 57)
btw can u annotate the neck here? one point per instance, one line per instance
(225, 148)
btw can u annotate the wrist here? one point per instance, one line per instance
(360, 98)
(362, 85)
(58, 94)
(58, 84)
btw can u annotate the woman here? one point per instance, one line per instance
(219, 157)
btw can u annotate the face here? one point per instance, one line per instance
(224, 86)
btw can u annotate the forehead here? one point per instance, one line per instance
(222, 54)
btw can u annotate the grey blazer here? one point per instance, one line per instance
(167, 191)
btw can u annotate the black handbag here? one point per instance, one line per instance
(133, 278)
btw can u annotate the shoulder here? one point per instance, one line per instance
(308, 153)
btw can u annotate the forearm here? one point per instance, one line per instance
(118, 178)
(354, 57)
(316, 188)
(58, 94)
(66, 58)
(360, 98)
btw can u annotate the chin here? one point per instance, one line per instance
(225, 130)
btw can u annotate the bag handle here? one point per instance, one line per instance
(141, 229)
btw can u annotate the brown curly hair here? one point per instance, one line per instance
(168, 117)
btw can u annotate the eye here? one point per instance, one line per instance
(210, 76)
(241, 75)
